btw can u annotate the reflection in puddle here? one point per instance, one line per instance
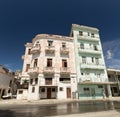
(56, 109)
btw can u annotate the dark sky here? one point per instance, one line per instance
(21, 20)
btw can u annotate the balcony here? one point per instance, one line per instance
(93, 80)
(50, 50)
(35, 49)
(89, 51)
(88, 38)
(48, 70)
(64, 51)
(33, 71)
(65, 70)
(92, 66)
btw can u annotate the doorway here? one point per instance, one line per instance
(48, 93)
(68, 92)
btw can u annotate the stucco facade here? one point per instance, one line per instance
(91, 70)
(6, 82)
(49, 68)
(114, 79)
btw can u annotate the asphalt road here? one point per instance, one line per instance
(57, 109)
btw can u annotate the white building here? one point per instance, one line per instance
(114, 79)
(49, 68)
(6, 81)
(91, 70)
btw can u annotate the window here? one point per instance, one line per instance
(53, 90)
(50, 43)
(86, 90)
(27, 67)
(92, 35)
(80, 33)
(42, 89)
(61, 88)
(63, 45)
(48, 81)
(92, 59)
(100, 86)
(115, 89)
(64, 79)
(81, 45)
(97, 61)
(35, 62)
(64, 63)
(49, 62)
(33, 89)
(88, 34)
(31, 81)
(36, 80)
(83, 59)
(29, 51)
(10, 83)
(20, 92)
(95, 47)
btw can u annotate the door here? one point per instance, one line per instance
(68, 92)
(48, 93)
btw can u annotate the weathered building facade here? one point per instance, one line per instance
(6, 82)
(49, 68)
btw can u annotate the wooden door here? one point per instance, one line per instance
(48, 93)
(68, 92)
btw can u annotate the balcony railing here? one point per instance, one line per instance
(48, 70)
(89, 50)
(65, 70)
(35, 49)
(50, 49)
(64, 51)
(34, 71)
(88, 38)
(93, 80)
(91, 66)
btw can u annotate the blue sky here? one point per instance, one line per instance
(21, 20)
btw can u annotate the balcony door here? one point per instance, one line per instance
(48, 93)
(64, 63)
(49, 62)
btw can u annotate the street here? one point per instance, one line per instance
(57, 109)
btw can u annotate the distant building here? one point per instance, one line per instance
(91, 70)
(6, 81)
(49, 68)
(114, 78)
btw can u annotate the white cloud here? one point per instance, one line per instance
(109, 54)
(111, 50)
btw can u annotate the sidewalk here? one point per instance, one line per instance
(111, 113)
(50, 101)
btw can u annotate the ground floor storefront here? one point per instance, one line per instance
(93, 91)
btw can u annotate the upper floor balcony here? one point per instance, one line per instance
(64, 51)
(88, 38)
(34, 71)
(93, 80)
(92, 66)
(89, 51)
(50, 50)
(65, 70)
(48, 70)
(35, 49)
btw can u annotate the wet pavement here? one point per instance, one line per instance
(57, 109)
